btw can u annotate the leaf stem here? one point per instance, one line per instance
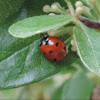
(70, 7)
(68, 40)
(65, 30)
(61, 12)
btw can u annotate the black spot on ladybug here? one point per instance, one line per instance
(46, 43)
(50, 51)
(44, 53)
(57, 44)
(65, 48)
(55, 59)
(43, 40)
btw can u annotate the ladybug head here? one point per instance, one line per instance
(43, 40)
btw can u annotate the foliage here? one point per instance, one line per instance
(23, 24)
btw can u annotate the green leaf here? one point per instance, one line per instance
(21, 61)
(79, 87)
(38, 24)
(8, 7)
(29, 65)
(88, 45)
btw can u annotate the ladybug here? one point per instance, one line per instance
(53, 48)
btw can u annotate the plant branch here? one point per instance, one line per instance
(90, 23)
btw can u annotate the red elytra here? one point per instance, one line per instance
(53, 48)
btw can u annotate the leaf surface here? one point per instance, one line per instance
(76, 88)
(88, 45)
(38, 24)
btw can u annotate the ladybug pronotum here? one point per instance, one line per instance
(53, 48)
